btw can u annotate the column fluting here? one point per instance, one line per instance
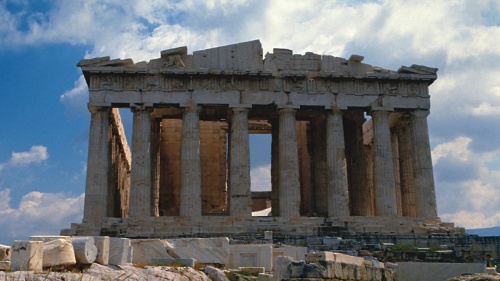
(239, 164)
(289, 184)
(190, 203)
(97, 182)
(140, 173)
(406, 172)
(383, 168)
(337, 194)
(357, 174)
(155, 166)
(422, 165)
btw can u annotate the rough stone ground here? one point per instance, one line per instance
(476, 277)
(98, 272)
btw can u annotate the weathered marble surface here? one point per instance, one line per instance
(251, 255)
(27, 255)
(58, 252)
(98, 272)
(208, 250)
(145, 250)
(120, 251)
(102, 244)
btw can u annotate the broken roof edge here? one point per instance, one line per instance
(247, 56)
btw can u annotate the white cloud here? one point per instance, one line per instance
(467, 189)
(261, 178)
(487, 109)
(35, 155)
(456, 149)
(38, 213)
(76, 99)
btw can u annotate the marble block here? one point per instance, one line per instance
(120, 251)
(58, 252)
(251, 255)
(27, 256)
(102, 244)
(147, 249)
(205, 250)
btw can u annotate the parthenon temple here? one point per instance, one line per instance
(349, 145)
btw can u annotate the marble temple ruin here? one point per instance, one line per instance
(349, 145)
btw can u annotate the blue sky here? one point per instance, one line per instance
(44, 122)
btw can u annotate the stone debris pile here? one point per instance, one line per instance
(98, 272)
(109, 258)
(331, 266)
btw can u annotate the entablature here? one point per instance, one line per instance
(238, 74)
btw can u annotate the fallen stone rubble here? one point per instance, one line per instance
(110, 258)
(331, 266)
(111, 272)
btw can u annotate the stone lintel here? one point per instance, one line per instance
(182, 99)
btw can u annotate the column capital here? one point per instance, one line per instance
(420, 113)
(336, 111)
(379, 112)
(191, 109)
(140, 107)
(286, 110)
(96, 108)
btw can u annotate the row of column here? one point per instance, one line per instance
(143, 198)
(403, 179)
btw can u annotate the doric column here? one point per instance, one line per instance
(155, 166)
(320, 167)
(140, 174)
(289, 167)
(383, 169)
(239, 164)
(337, 195)
(395, 162)
(422, 165)
(97, 184)
(406, 172)
(275, 168)
(190, 203)
(359, 192)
